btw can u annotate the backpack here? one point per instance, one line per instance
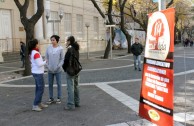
(74, 66)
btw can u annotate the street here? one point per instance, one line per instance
(109, 90)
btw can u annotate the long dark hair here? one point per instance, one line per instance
(73, 43)
(71, 39)
(31, 45)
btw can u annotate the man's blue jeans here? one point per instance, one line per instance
(51, 80)
(137, 59)
(39, 81)
(73, 90)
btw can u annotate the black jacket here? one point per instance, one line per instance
(22, 50)
(74, 48)
(137, 49)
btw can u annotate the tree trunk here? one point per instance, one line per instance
(128, 37)
(129, 42)
(179, 36)
(123, 29)
(29, 26)
(107, 50)
(29, 36)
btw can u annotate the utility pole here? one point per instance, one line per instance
(87, 26)
(110, 27)
(161, 5)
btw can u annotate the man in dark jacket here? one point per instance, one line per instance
(137, 49)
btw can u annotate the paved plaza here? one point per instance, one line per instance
(109, 91)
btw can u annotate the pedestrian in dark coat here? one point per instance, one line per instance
(137, 49)
(22, 53)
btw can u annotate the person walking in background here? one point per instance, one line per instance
(37, 69)
(55, 57)
(191, 43)
(73, 99)
(137, 49)
(22, 53)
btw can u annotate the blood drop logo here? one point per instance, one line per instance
(158, 37)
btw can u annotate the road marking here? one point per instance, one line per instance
(120, 96)
(185, 57)
(16, 79)
(122, 81)
(28, 86)
(124, 59)
(101, 55)
(81, 84)
(141, 122)
(130, 102)
(180, 117)
(183, 73)
(119, 124)
(185, 54)
(190, 81)
(123, 56)
(111, 82)
(87, 70)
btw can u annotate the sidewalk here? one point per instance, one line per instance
(15, 109)
(97, 107)
(109, 91)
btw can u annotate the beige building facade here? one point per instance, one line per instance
(75, 14)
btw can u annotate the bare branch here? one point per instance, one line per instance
(170, 3)
(110, 12)
(98, 8)
(123, 4)
(23, 10)
(26, 5)
(18, 4)
(39, 12)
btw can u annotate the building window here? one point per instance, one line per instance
(79, 26)
(67, 24)
(96, 27)
(55, 27)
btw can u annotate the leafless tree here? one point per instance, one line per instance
(29, 25)
(110, 20)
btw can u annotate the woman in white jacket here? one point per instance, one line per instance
(37, 69)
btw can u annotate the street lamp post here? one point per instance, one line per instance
(110, 26)
(161, 5)
(87, 26)
(54, 20)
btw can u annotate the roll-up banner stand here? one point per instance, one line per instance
(157, 89)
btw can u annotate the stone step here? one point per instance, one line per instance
(11, 56)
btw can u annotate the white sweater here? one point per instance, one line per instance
(37, 63)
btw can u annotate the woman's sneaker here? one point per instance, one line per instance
(41, 105)
(58, 101)
(36, 108)
(50, 101)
